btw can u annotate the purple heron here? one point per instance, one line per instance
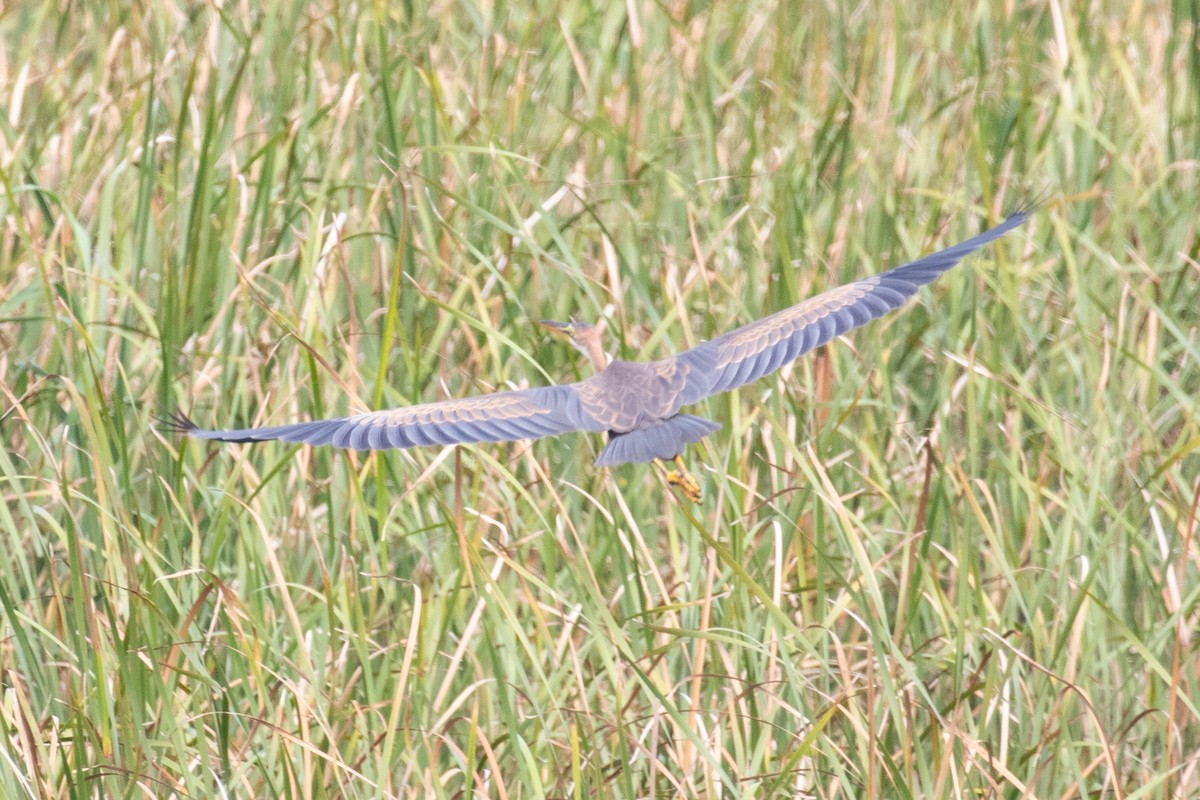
(636, 403)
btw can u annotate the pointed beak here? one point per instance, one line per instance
(556, 327)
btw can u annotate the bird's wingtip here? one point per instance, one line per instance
(1029, 202)
(173, 420)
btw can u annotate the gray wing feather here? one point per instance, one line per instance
(499, 417)
(748, 353)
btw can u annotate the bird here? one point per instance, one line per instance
(636, 403)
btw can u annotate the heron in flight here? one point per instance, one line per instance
(637, 403)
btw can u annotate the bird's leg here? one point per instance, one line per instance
(683, 479)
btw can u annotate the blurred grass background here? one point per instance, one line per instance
(953, 555)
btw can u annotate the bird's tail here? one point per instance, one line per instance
(663, 440)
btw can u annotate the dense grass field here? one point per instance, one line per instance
(954, 555)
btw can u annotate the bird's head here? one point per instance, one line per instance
(584, 336)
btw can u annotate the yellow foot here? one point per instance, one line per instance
(684, 480)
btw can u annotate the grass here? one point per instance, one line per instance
(952, 555)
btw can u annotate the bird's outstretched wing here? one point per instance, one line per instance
(499, 417)
(759, 348)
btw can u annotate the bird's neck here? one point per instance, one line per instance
(597, 356)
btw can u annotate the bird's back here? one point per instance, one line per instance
(631, 395)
